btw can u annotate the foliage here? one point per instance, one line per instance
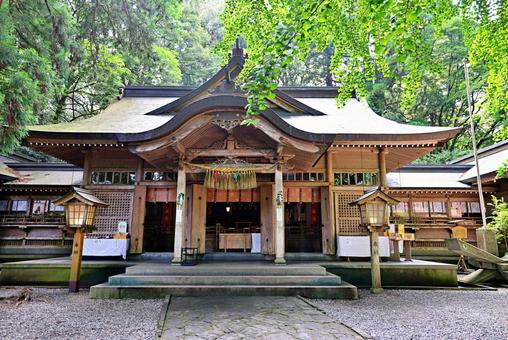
(33, 61)
(62, 60)
(499, 222)
(200, 30)
(502, 171)
(412, 49)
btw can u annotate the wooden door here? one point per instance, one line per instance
(198, 236)
(138, 219)
(328, 230)
(266, 206)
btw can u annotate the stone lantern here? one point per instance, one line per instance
(80, 209)
(374, 215)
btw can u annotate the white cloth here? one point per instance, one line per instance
(105, 247)
(359, 246)
(256, 243)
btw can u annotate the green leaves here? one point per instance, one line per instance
(499, 219)
(64, 60)
(405, 44)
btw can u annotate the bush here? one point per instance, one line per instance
(499, 222)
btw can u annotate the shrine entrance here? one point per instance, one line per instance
(230, 226)
(233, 220)
(302, 219)
(303, 227)
(159, 222)
(159, 233)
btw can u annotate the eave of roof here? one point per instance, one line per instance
(469, 157)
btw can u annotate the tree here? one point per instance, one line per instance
(373, 40)
(35, 46)
(64, 60)
(194, 42)
(440, 99)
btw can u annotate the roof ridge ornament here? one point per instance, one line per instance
(237, 51)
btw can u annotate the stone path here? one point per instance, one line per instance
(237, 317)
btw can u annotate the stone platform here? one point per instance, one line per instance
(416, 273)
(316, 277)
(151, 280)
(55, 272)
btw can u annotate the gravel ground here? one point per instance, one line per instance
(55, 314)
(425, 314)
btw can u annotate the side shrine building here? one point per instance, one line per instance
(178, 166)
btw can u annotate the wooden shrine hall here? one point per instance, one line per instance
(178, 166)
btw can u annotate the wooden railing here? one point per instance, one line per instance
(18, 230)
(32, 219)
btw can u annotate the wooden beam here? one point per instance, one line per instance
(194, 153)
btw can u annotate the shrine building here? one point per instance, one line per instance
(179, 167)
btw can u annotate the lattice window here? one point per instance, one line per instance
(347, 218)
(119, 209)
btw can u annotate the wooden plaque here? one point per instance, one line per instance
(459, 232)
(408, 237)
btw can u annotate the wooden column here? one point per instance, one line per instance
(328, 231)
(77, 252)
(138, 211)
(395, 255)
(138, 219)
(407, 250)
(87, 168)
(180, 212)
(382, 168)
(329, 168)
(140, 171)
(279, 217)
(375, 267)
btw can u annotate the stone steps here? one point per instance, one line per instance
(224, 280)
(151, 280)
(106, 291)
(227, 269)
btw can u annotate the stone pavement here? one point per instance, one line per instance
(249, 317)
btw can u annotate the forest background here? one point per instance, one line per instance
(62, 60)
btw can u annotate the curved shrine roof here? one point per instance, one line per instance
(131, 115)
(307, 113)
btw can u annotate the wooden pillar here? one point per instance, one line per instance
(180, 212)
(375, 267)
(77, 252)
(279, 217)
(382, 168)
(407, 250)
(395, 255)
(327, 209)
(330, 178)
(138, 219)
(138, 212)
(140, 171)
(87, 168)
